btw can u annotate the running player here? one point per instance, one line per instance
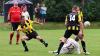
(26, 27)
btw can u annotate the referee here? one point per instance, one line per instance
(14, 16)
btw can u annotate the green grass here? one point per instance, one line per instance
(1, 19)
(47, 25)
(92, 37)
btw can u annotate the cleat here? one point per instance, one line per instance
(26, 50)
(10, 42)
(53, 52)
(46, 44)
(86, 53)
(56, 54)
(17, 43)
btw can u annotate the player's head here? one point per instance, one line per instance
(74, 9)
(22, 20)
(24, 7)
(15, 4)
(78, 8)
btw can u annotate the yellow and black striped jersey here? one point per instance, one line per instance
(81, 14)
(72, 21)
(27, 27)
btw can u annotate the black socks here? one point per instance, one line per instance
(24, 45)
(42, 41)
(83, 46)
(60, 46)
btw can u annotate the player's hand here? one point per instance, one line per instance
(8, 20)
(80, 34)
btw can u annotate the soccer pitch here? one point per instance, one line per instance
(92, 37)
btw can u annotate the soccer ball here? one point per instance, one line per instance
(87, 23)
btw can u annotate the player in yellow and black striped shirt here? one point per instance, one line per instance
(27, 28)
(74, 25)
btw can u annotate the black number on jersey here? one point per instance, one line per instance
(72, 17)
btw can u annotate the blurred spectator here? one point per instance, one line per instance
(43, 13)
(14, 16)
(37, 12)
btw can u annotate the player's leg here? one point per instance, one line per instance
(62, 41)
(18, 34)
(77, 47)
(83, 45)
(17, 37)
(35, 35)
(12, 33)
(80, 36)
(11, 37)
(42, 41)
(64, 50)
(24, 43)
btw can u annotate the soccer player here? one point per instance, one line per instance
(77, 37)
(81, 15)
(26, 27)
(25, 12)
(69, 46)
(74, 26)
(14, 16)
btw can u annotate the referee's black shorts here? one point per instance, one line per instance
(15, 25)
(68, 33)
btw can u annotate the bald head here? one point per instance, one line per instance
(15, 4)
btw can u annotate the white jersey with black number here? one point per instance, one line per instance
(70, 45)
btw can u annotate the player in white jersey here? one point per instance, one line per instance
(25, 13)
(69, 46)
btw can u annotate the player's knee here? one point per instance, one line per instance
(18, 32)
(12, 32)
(23, 38)
(38, 37)
(62, 39)
(81, 38)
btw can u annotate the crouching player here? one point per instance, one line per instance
(69, 47)
(26, 27)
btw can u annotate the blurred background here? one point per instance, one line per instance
(57, 9)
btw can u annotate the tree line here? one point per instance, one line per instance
(58, 9)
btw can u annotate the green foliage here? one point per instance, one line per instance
(90, 12)
(57, 9)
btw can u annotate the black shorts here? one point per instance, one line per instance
(37, 15)
(32, 35)
(15, 25)
(68, 33)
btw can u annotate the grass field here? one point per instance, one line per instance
(92, 37)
